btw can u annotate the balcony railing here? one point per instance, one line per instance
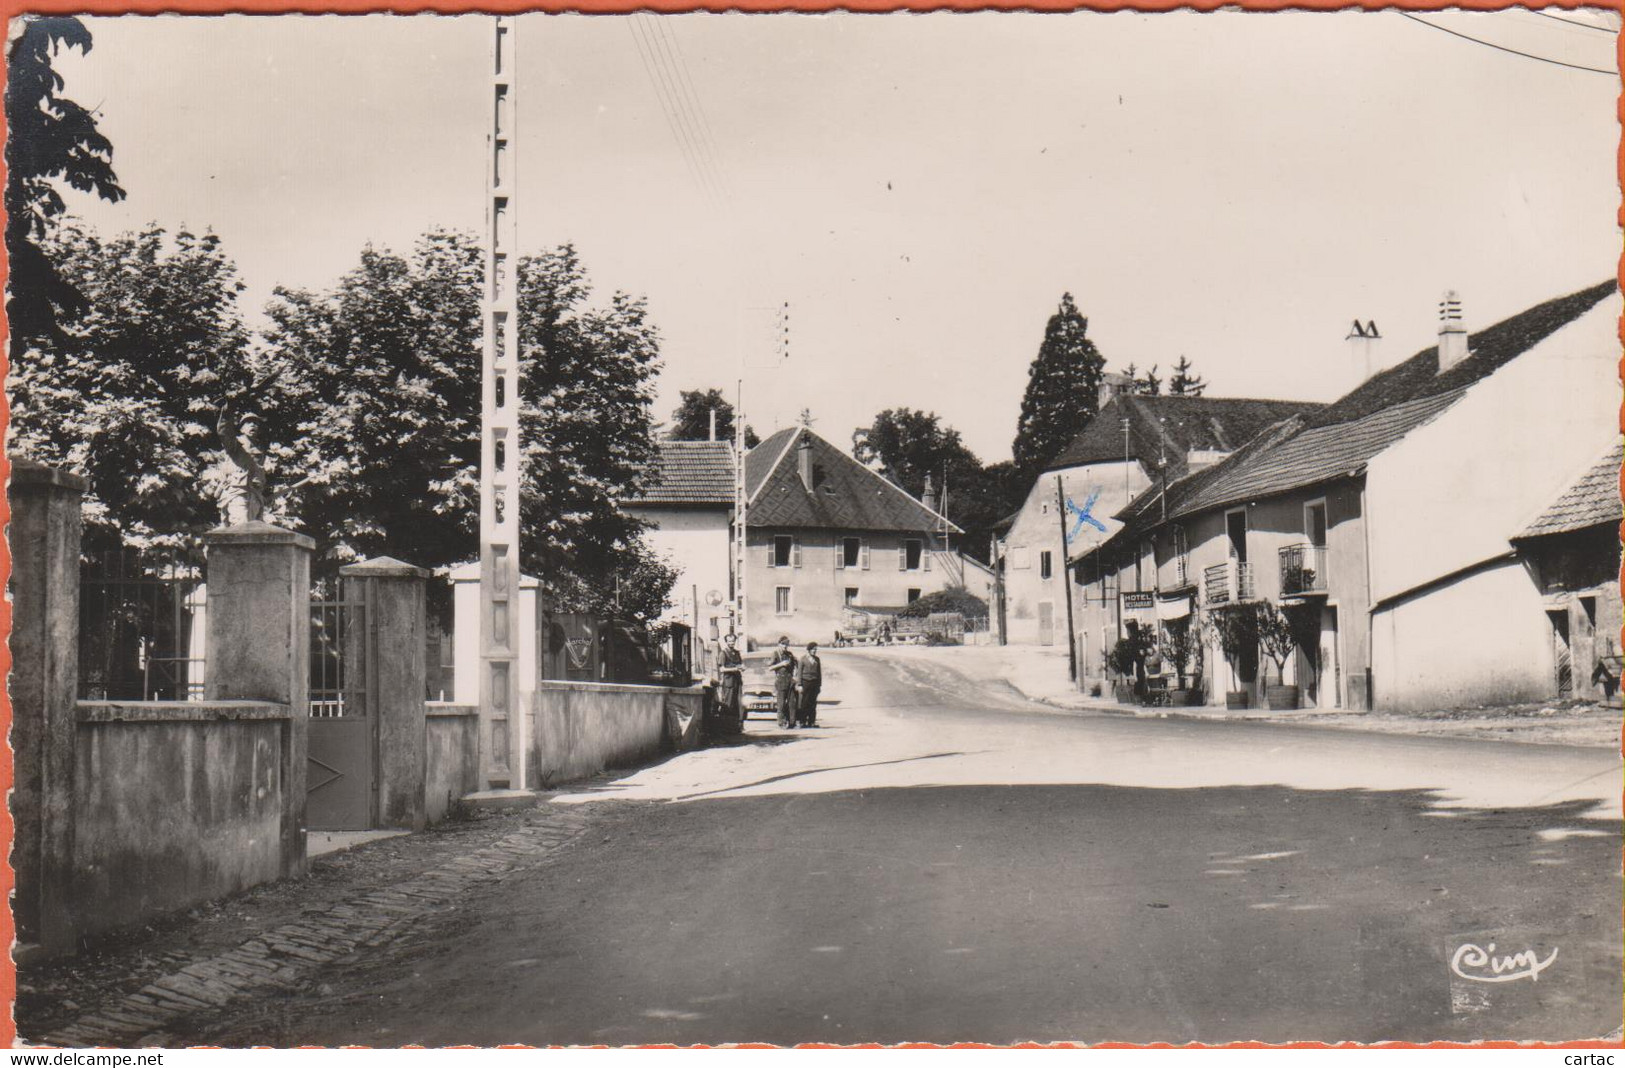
(1303, 570)
(1228, 582)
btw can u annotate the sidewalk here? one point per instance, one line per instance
(1040, 674)
(149, 985)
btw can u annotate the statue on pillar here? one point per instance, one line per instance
(228, 427)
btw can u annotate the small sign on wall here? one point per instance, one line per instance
(1138, 602)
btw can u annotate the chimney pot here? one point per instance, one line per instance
(1112, 384)
(804, 461)
(713, 432)
(929, 497)
(1363, 340)
(1452, 332)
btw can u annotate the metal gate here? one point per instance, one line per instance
(339, 793)
(141, 625)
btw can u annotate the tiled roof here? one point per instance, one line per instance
(1172, 426)
(1339, 439)
(846, 495)
(1591, 501)
(690, 472)
(1314, 454)
(1491, 348)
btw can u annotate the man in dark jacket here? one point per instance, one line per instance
(811, 676)
(783, 666)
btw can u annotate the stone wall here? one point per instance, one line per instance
(453, 758)
(175, 802)
(582, 728)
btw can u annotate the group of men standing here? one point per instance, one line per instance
(795, 682)
(789, 674)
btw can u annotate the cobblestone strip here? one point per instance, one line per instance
(277, 959)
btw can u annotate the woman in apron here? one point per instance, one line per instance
(730, 680)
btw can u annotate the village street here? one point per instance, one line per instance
(939, 861)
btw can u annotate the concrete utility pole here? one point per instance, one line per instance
(741, 502)
(1066, 581)
(501, 458)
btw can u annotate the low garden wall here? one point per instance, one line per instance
(452, 751)
(582, 728)
(175, 803)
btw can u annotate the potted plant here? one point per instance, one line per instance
(1235, 631)
(1277, 640)
(1127, 661)
(1181, 648)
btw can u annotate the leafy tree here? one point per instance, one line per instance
(377, 427)
(50, 138)
(1184, 383)
(909, 445)
(129, 392)
(1062, 389)
(374, 428)
(912, 444)
(692, 419)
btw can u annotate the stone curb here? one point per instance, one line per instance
(275, 960)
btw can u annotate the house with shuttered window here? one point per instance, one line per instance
(824, 533)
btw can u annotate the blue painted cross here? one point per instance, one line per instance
(1084, 515)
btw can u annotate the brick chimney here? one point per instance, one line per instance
(1113, 384)
(1363, 341)
(712, 435)
(1452, 334)
(804, 460)
(929, 497)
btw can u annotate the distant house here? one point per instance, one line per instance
(688, 500)
(1134, 442)
(824, 532)
(1572, 551)
(1385, 518)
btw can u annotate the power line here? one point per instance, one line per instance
(1504, 48)
(679, 132)
(699, 123)
(685, 116)
(1571, 22)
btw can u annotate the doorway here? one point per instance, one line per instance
(1563, 653)
(1330, 684)
(1046, 623)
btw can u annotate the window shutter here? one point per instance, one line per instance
(902, 556)
(840, 554)
(863, 553)
(795, 552)
(925, 557)
(772, 548)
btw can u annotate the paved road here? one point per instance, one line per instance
(942, 862)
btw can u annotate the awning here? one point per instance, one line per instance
(1174, 608)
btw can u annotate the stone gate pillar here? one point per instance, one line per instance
(44, 536)
(397, 622)
(259, 645)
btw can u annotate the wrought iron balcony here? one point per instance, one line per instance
(1181, 572)
(1303, 570)
(1224, 583)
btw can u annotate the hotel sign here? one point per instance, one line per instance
(1138, 602)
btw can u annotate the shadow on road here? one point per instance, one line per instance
(1004, 914)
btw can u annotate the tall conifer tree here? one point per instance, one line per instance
(1063, 388)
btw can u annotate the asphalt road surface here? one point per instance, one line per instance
(944, 862)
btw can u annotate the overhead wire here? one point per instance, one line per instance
(673, 122)
(702, 122)
(1570, 22)
(688, 123)
(1504, 48)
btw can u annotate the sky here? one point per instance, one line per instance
(920, 189)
